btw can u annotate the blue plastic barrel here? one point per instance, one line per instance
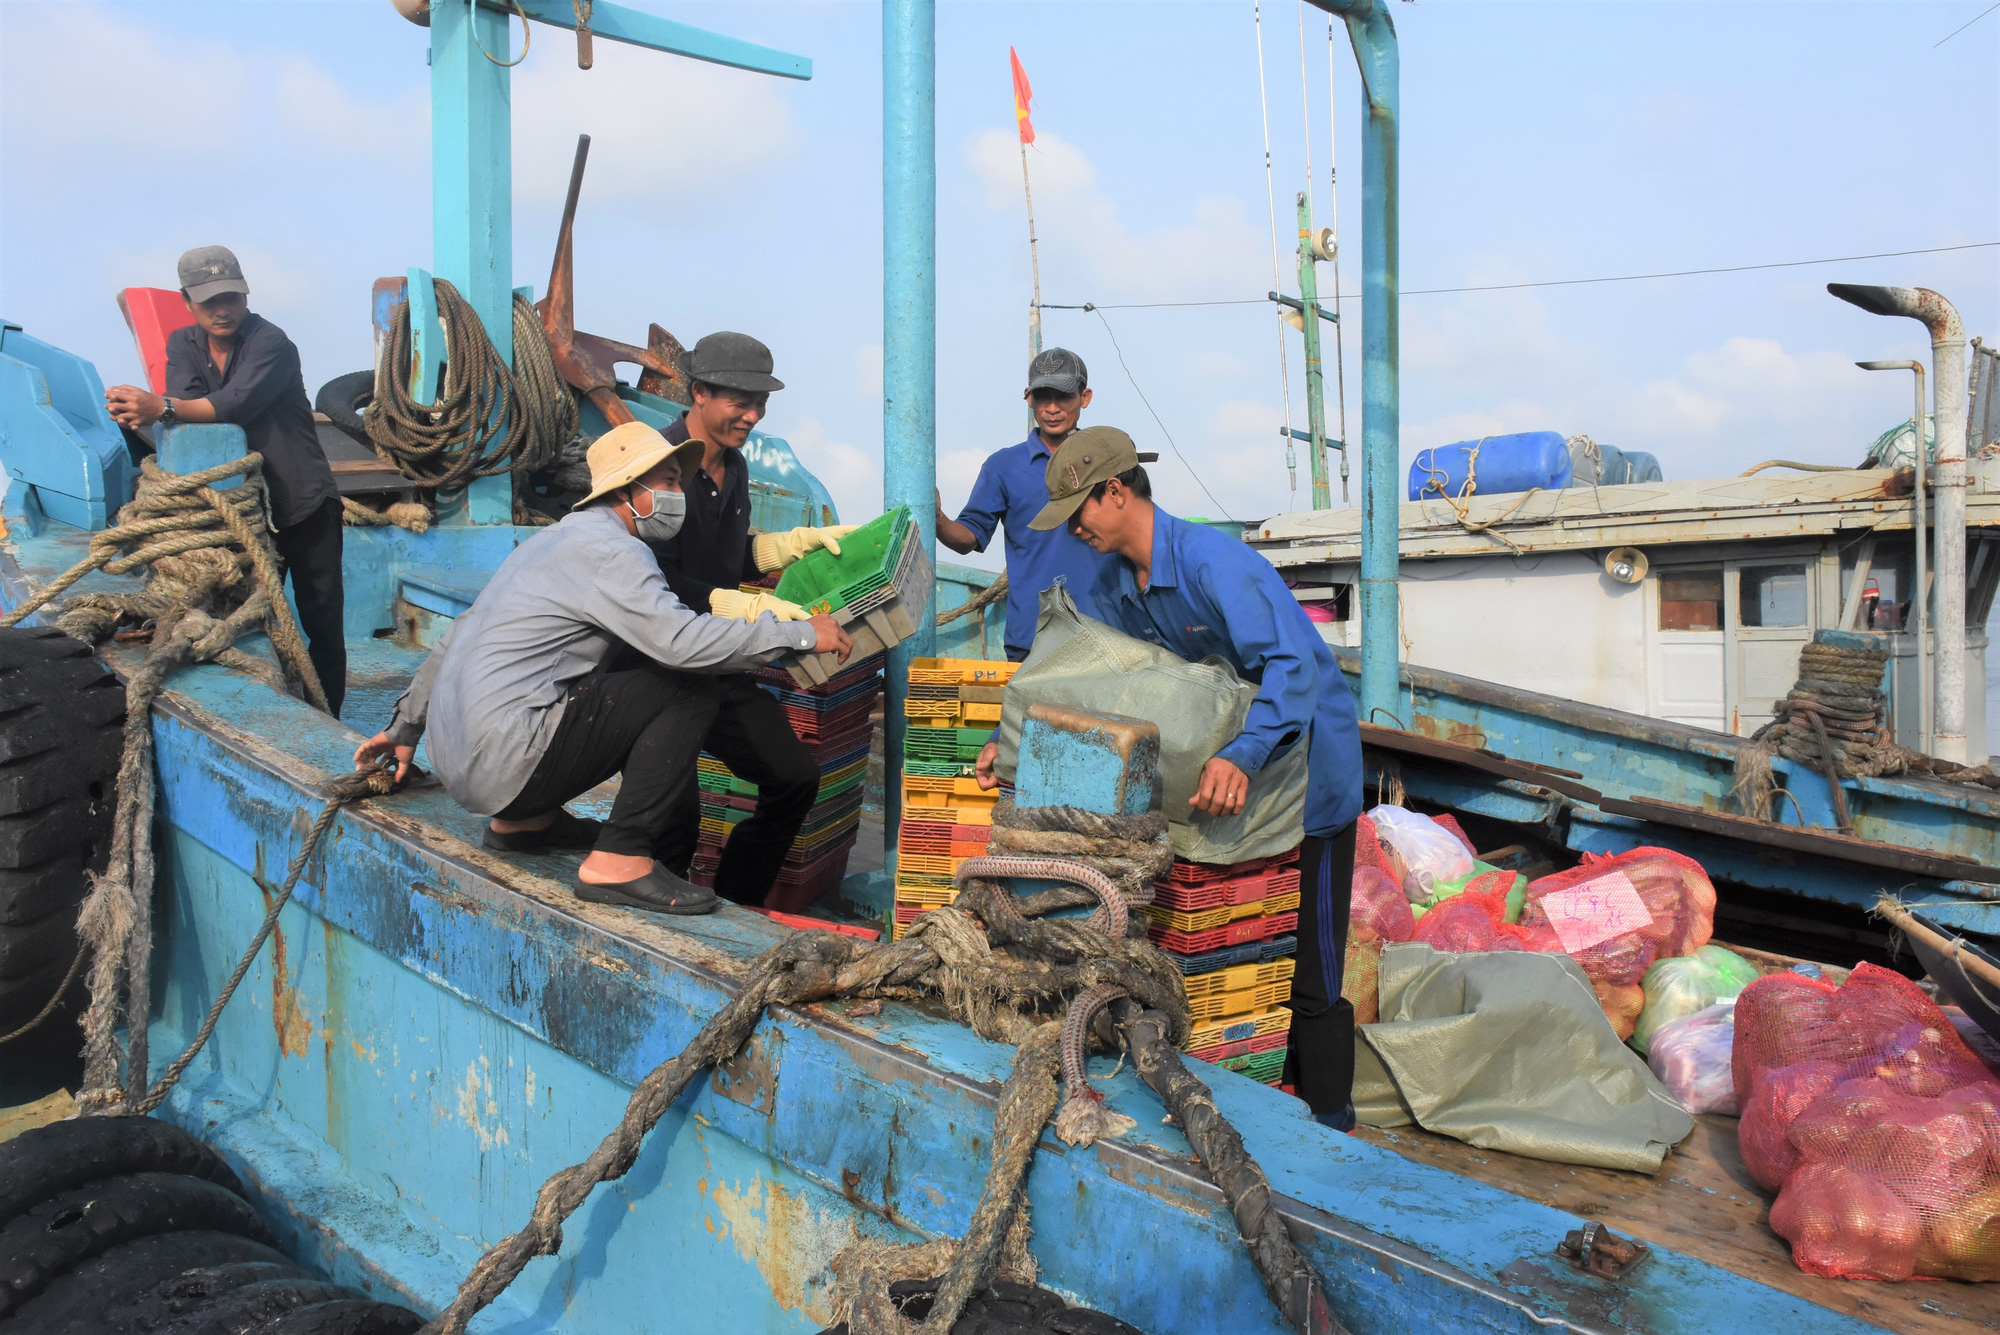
(1498, 464)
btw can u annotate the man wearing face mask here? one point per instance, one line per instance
(715, 552)
(577, 663)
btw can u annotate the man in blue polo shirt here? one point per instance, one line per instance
(1010, 491)
(1197, 592)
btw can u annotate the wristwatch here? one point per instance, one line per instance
(167, 414)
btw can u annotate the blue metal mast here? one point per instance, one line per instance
(1374, 37)
(909, 329)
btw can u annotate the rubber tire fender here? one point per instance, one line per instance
(344, 398)
(252, 1309)
(48, 1241)
(50, 1160)
(347, 1316)
(138, 1287)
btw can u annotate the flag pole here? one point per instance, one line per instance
(1034, 264)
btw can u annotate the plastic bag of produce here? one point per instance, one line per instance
(1360, 979)
(1467, 922)
(1377, 910)
(1622, 1003)
(1880, 1127)
(1421, 853)
(1616, 915)
(1688, 983)
(1691, 1057)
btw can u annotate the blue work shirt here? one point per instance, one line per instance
(1210, 594)
(1012, 488)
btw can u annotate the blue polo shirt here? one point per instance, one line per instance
(1208, 594)
(1012, 489)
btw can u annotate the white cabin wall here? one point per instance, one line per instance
(1554, 623)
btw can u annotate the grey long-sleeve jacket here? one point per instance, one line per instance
(491, 693)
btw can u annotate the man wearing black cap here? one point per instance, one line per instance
(234, 366)
(715, 552)
(1010, 491)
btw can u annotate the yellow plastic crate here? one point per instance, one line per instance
(952, 671)
(973, 813)
(924, 783)
(926, 815)
(1183, 920)
(980, 713)
(1230, 1028)
(929, 896)
(944, 711)
(1258, 908)
(1241, 976)
(1219, 1004)
(926, 865)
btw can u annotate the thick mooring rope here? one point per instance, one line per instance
(1834, 720)
(488, 419)
(1004, 969)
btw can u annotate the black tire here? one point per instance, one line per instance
(50, 1160)
(61, 734)
(343, 399)
(347, 1316)
(53, 1238)
(141, 1286)
(252, 1309)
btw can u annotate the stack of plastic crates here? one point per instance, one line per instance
(1229, 930)
(877, 589)
(833, 722)
(952, 706)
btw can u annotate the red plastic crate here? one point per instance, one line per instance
(1229, 934)
(967, 849)
(1242, 1047)
(805, 924)
(1237, 890)
(1195, 873)
(925, 839)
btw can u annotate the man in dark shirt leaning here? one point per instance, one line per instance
(716, 551)
(234, 366)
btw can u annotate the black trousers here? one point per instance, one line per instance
(1321, 1064)
(643, 722)
(310, 550)
(753, 737)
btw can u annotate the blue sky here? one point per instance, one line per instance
(1541, 141)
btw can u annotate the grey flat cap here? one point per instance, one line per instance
(208, 271)
(733, 361)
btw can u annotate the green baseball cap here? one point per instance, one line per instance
(1086, 458)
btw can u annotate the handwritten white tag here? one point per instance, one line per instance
(1592, 913)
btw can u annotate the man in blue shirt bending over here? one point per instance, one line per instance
(1010, 490)
(1196, 592)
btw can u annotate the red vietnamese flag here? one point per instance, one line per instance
(1022, 96)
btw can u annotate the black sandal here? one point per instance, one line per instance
(658, 890)
(565, 831)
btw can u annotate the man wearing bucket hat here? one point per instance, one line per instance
(1009, 493)
(575, 663)
(234, 366)
(1198, 592)
(715, 551)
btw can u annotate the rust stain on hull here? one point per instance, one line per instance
(288, 1013)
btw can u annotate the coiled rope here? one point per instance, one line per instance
(999, 965)
(488, 419)
(198, 544)
(1834, 720)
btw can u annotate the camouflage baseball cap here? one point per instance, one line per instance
(1058, 369)
(1083, 460)
(208, 271)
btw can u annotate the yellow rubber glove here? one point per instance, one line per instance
(775, 551)
(749, 606)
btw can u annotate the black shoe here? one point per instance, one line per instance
(659, 890)
(565, 831)
(1344, 1120)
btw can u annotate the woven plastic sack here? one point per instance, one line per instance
(1880, 1127)
(1080, 663)
(1360, 979)
(1377, 910)
(1691, 1057)
(1655, 902)
(1421, 852)
(1685, 984)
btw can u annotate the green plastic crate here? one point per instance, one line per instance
(942, 744)
(1264, 1066)
(822, 582)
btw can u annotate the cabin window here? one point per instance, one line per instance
(1772, 596)
(1691, 599)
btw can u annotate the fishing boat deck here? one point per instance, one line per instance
(1702, 1203)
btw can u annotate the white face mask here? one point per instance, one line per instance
(669, 509)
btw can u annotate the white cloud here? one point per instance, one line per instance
(1220, 249)
(852, 474)
(676, 117)
(868, 370)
